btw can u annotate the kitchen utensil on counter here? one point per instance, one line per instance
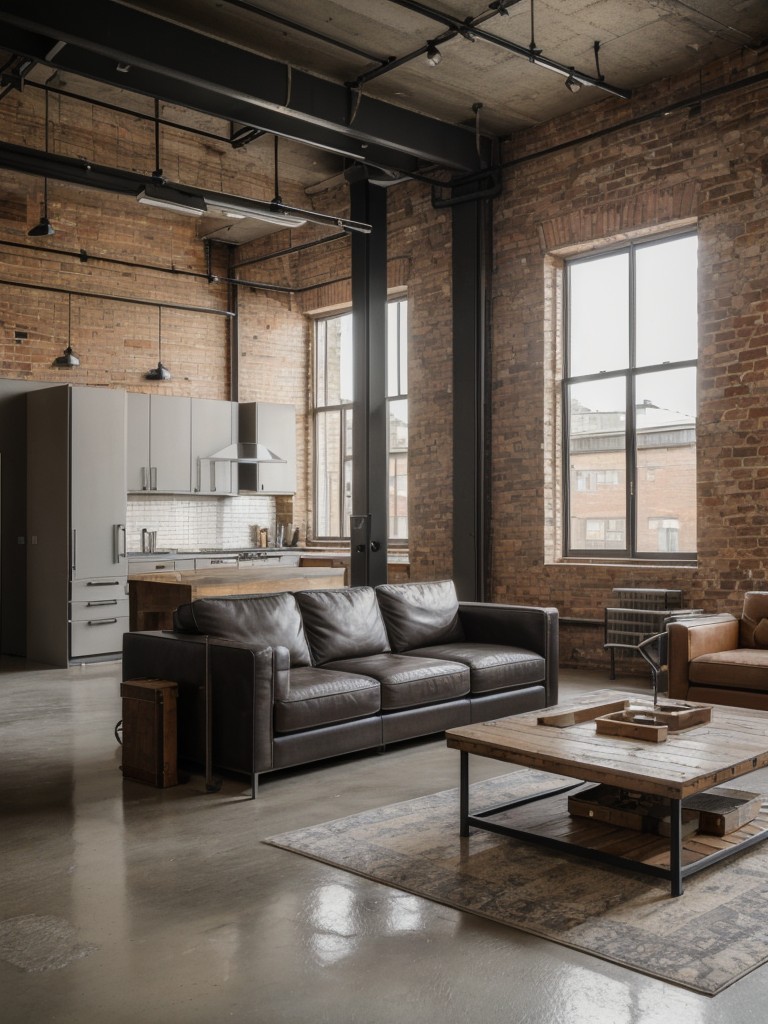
(148, 541)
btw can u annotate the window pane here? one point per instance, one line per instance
(320, 357)
(398, 425)
(327, 445)
(393, 350)
(666, 316)
(398, 497)
(403, 346)
(338, 344)
(597, 471)
(598, 314)
(666, 461)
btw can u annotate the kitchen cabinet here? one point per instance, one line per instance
(168, 435)
(139, 565)
(213, 427)
(76, 502)
(273, 425)
(159, 453)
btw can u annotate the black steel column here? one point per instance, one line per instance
(370, 467)
(471, 413)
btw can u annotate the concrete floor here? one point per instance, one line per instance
(121, 902)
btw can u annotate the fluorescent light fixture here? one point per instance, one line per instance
(174, 199)
(268, 214)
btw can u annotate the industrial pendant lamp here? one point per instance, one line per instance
(159, 372)
(44, 226)
(69, 359)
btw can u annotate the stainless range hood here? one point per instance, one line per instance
(245, 452)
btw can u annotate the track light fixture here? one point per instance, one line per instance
(572, 84)
(159, 372)
(69, 359)
(433, 55)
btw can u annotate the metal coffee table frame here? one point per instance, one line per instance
(676, 872)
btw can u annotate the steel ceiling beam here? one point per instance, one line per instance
(103, 40)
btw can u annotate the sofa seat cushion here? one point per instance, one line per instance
(259, 620)
(319, 696)
(410, 682)
(492, 667)
(742, 669)
(342, 623)
(420, 614)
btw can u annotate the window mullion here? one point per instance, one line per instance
(631, 452)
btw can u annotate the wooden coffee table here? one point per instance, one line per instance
(734, 743)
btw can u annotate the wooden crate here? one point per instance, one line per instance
(149, 731)
(722, 811)
(626, 809)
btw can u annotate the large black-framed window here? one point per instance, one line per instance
(629, 400)
(333, 423)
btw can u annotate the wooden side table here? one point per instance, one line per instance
(149, 731)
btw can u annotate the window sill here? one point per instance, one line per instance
(627, 563)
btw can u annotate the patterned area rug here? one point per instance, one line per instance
(704, 940)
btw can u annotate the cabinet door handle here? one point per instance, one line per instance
(116, 552)
(144, 486)
(74, 550)
(153, 478)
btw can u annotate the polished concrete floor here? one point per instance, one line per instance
(121, 902)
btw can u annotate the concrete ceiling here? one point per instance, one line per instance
(346, 80)
(640, 41)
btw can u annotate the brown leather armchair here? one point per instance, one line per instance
(722, 659)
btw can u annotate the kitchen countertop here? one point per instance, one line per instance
(153, 596)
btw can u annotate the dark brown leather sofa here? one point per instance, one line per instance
(300, 677)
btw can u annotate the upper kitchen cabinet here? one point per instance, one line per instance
(214, 426)
(274, 426)
(159, 445)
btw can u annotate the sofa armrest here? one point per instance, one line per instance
(535, 629)
(690, 638)
(245, 681)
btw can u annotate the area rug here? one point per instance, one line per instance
(704, 940)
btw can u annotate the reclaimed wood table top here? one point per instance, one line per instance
(239, 579)
(732, 744)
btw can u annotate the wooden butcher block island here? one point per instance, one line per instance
(154, 596)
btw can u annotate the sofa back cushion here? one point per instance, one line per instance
(259, 620)
(420, 614)
(753, 627)
(342, 623)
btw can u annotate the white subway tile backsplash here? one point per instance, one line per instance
(200, 521)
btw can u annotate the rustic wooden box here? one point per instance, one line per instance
(637, 811)
(722, 811)
(149, 731)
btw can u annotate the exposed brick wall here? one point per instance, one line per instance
(709, 168)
